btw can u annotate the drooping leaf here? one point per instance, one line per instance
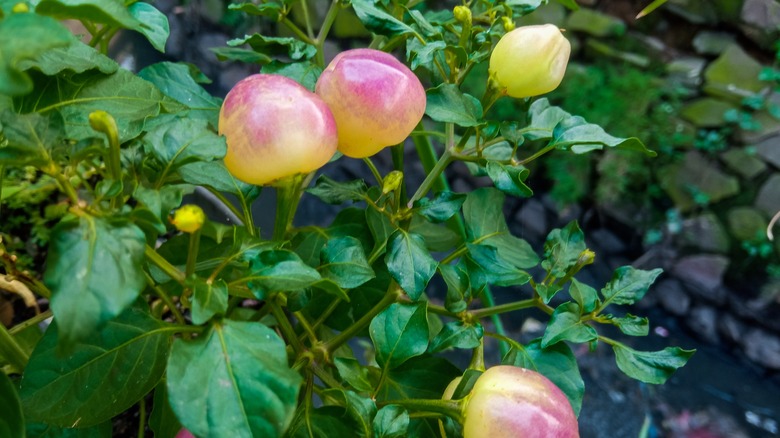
(176, 81)
(344, 262)
(305, 73)
(562, 249)
(359, 408)
(509, 179)
(423, 54)
(566, 325)
(279, 271)
(335, 192)
(208, 299)
(584, 295)
(650, 366)
(399, 333)
(458, 287)
(352, 372)
(446, 103)
(544, 118)
(104, 375)
(556, 362)
(31, 139)
(628, 285)
(112, 12)
(392, 421)
(11, 419)
(94, 270)
(154, 25)
(579, 136)
(272, 46)
(631, 325)
(409, 262)
(24, 37)
(162, 420)
(214, 174)
(249, 388)
(495, 269)
(442, 207)
(270, 10)
(456, 334)
(423, 376)
(379, 21)
(76, 57)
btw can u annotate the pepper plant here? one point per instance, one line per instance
(317, 329)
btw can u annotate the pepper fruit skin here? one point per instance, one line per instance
(530, 60)
(275, 128)
(513, 402)
(376, 100)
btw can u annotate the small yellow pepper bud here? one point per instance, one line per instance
(392, 181)
(20, 8)
(189, 218)
(508, 23)
(462, 14)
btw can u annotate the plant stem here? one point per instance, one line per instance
(433, 175)
(503, 308)
(165, 265)
(374, 171)
(285, 326)
(327, 22)
(141, 417)
(32, 321)
(393, 292)
(288, 193)
(11, 351)
(306, 327)
(450, 408)
(192, 253)
(538, 154)
(166, 299)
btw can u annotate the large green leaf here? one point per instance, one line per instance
(359, 408)
(556, 362)
(112, 12)
(344, 262)
(24, 37)
(11, 419)
(162, 420)
(94, 270)
(392, 421)
(325, 422)
(305, 73)
(420, 377)
(128, 98)
(352, 372)
(456, 334)
(233, 381)
(31, 139)
(41, 430)
(495, 269)
(562, 249)
(409, 262)
(584, 295)
(379, 21)
(293, 48)
(442, 207)
(208, 299)
(566, 325)
(399, 333)
(579, 136)
(446, 103)
(154, 26)
(214, 174)
(176, 81)
(104, 375)
(650, 366)
(280, 271)
(628, 285)
(76, 57)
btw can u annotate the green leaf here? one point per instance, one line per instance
(246, 56)
(335, 192)
(208, 299)
(180, 142)
(456, 334)
(424, 376)
(26, 36)
(458, 287)
(424, 54)
(344, 262)
(485, 224)
(628, 285)
(544, 118)
(442, 207)
(379, 21)
(325, 422)
(305, 73)
(103, 376)
(579, 136)
(584, 295)
(233, 381)
(565, 325)
(76, 57)
(512, 132)
(160, 202)
(155, 24)
(399, 333)
(176, 81)
(162, 420)
(355, 374)
(270, 10)
(446, 103)
(650, 366)
(562, 249)
(214, 174)
(381, 229)
(280, 271)
(392, 421)
(509, 179)
(360, 409)
(556, 362)
(128, 98)
(437, 237)
(111, 12)
(95, 271)
(11, 419)
(308, 244)
(31, 139)
(409, 262)
(422, 23)
(294, 48)
(41, 430)
(631, 325)
(495, 269)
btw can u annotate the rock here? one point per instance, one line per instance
(712, 43)
(768, 199)
(703, 275)
(672, 296)
(231, 74)
(532, 218)
(696, 175)
(766, 126)
(707, 112)
(595, 23)
(769, 150)
(744, 162)
(762, 348)
(703, 321)
(730, 328)
(605, 242)
(746, 223)
(761, 20)
(706, 233)
(733, 75)
(686, 71)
